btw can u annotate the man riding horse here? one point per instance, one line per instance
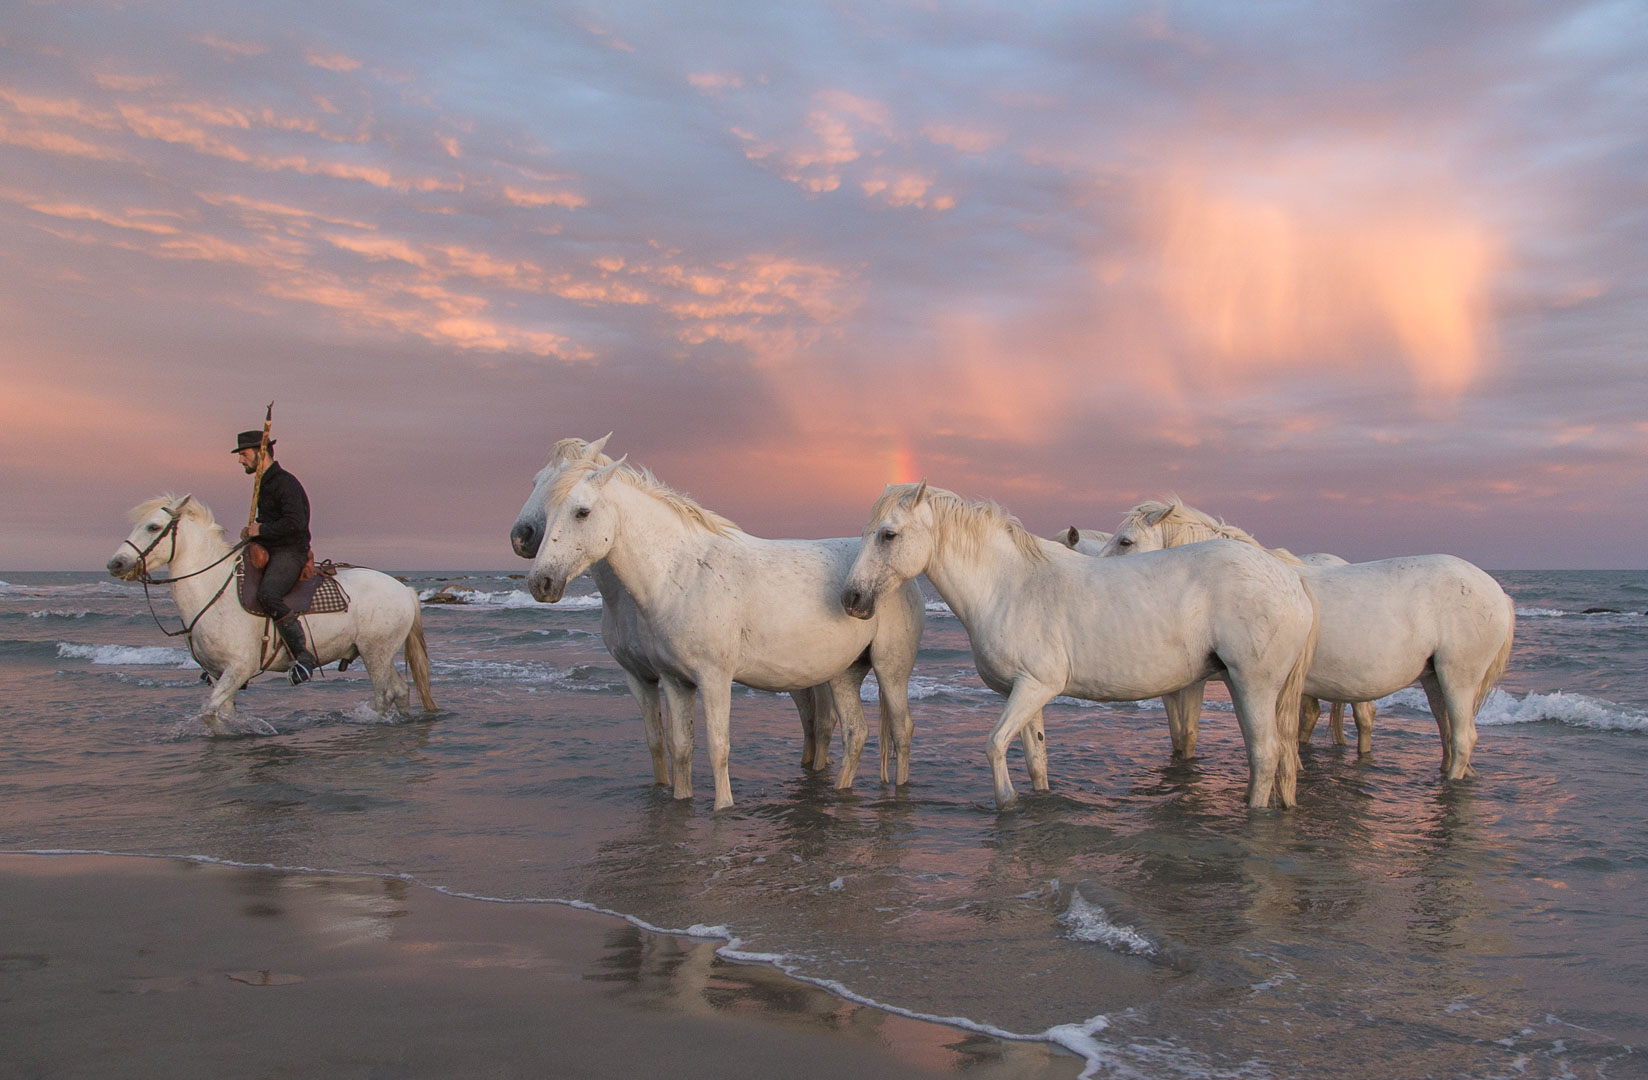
(282, 529)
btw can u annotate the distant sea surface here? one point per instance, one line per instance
(1139, 914)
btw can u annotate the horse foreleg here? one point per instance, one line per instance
(1034, 740)
(1363, 711)
(1336, 722)
(220, 703)
(680, 698)
(652, 722)
(1024, 704)
(893, 702)
(717, 695)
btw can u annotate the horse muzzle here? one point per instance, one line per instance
(546, 588)
(858, 603)
(121, 567)
(525, 539)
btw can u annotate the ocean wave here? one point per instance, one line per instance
(1539, 613)
(940, 608)
(90, 588)
(509, 599)
(53, 613)
(1503, 709)
(127, 655)
(1087, 921)
(580, 677)
(1577, 710)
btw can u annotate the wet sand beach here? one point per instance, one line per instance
(157, 967)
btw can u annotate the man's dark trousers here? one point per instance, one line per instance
(285, 564)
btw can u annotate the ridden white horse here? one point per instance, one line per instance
(721, 606)
(1083, 541)
(1432, 618)
(625, 634)
(231, 644)
(1045, 621)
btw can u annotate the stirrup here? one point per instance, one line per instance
(302, 670)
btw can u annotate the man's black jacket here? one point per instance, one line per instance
(283, 510)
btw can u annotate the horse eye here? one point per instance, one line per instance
(888, 536)
(154, 528)
(582, 513)
(1125, 542)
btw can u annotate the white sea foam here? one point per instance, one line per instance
(53, 613)
(1086, 921)
(127, 655)
(926, 686)
(1574, 709)
(1539, 613)
(508, 599)
(940, 608)
(1502, 709)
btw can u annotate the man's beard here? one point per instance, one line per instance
(250, 469)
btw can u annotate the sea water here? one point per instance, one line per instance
(1391, 926)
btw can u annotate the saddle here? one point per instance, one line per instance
(316, 593)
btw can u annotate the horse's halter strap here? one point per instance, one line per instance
(143, 553)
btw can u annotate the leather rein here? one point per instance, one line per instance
(144, 578)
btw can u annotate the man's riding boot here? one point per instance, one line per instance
(303, 661)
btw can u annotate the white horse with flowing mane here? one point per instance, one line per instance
(721, 606)
(1045, 621)
(230, 643)
(626, 637)
(1436, 619)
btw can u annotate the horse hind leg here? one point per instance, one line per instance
(844, 691)
(1439, 709)
(646, 695)
(1459, 689)
(1310, 711)
(389, 691)
(1184, 718)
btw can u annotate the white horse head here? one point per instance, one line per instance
(896, 545)
(153, 542)
(528, 530)
(1153, 525)
(580, 525)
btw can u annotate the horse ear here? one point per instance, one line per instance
(600, 476)
(177, 507)
(920, 493)
(1073, 537)
(593, 450)
(1155, 516)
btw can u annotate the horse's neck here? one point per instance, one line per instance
(651, 541)
(197, 549)
(969, 577)
(1180, 533)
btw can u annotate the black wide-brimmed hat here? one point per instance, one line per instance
(250, 440)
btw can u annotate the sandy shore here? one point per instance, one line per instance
(128, 967)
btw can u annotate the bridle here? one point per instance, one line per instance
(144, 578)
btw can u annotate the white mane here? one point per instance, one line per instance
(194, 510)
(967, 521)
(643, 481)
(1181, 524)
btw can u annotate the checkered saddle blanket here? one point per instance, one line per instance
(320, 594)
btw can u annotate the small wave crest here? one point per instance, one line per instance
(55, 613)
(1084, 920)
(1503, 709)
(127, 655)
(507, 599)
(1539, 613)
(1575, 709)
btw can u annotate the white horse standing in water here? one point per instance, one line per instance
(228, 641)
(1432, 618)
(1045, 621)
(721, 606)
(626, 636)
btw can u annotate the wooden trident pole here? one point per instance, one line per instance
(263, 446)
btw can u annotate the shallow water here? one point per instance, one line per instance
(1390, 926)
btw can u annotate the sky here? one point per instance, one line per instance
(1366, 278)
